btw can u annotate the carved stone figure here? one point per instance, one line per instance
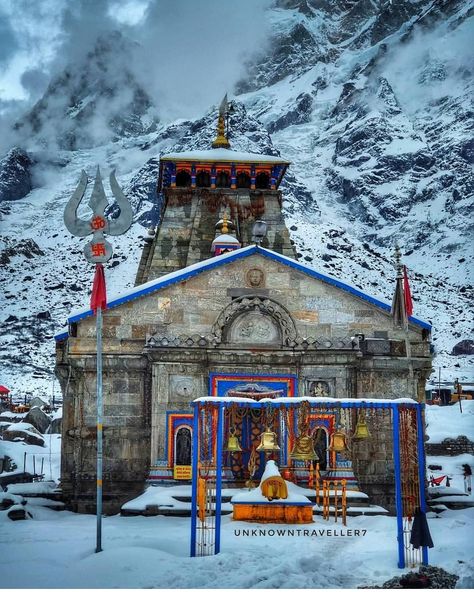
(255, 277)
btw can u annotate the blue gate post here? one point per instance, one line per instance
(398, 485)
(421, 469)
(220, 433)
(195, 475)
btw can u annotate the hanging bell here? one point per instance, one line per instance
(304, 449)
(338, 442)
(361, 430)
(233, 444)
(268, 442)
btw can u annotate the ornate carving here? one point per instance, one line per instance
(279, 319)
(318, 388)
(183, 387)
(255, 277)
(254, 327)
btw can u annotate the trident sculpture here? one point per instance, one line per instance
(98, 251)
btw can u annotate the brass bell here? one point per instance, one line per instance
(268, 442)
(233, 444)
(304, 449)
(338, 442)
(362, 429)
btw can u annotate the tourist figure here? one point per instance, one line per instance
(467, 472)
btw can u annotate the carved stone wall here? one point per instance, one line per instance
(294, 324)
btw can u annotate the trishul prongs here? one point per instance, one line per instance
(98, 250)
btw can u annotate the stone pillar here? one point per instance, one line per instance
(173, 174)
(253, 174)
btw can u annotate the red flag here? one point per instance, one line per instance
(99, 293)
(407, 293)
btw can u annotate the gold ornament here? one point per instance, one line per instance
(338, 441)
(268, 442)
(362, 429)
(233, 444)
(304, 449)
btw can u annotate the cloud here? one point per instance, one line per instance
(187, 54)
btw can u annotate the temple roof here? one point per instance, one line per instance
(223, 155)
(193, 270)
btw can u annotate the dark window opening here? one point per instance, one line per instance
(203, 179)
(183, 447)
(183, 179)
(321, 447)
(222, 179)
(243, 181)
(262, 181)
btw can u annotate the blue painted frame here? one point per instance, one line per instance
(222, 403)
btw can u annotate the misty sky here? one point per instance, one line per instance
(202, 42)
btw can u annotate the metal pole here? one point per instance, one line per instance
(220, 434)
(398, 485)
(99, 430)
(421, 471)
(195, 475)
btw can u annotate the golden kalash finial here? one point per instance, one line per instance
(221, 140)
(225, 228)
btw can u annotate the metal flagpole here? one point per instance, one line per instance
(98, 547)
(98, 251)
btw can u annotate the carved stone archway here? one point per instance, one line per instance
(255, 319)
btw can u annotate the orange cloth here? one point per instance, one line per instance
(274, 488)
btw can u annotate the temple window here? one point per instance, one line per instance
(243, 180)
(262, 181)
(203, 179)
(222, 179)
(183, 179)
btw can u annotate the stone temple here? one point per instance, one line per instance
(219, 311)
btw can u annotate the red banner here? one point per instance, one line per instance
(99, 292)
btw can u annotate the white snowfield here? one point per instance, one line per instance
(58, 551)
(440, 421)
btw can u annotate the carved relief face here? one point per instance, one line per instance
(255, 277)
(254, 327)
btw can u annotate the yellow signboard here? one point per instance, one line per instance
(182, 472)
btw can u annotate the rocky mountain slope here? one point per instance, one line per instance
(371, 101)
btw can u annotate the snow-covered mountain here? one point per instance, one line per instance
(370, 100)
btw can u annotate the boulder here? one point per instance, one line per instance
(56, 426)
(37, 402)
(38, 419)
(463, 348)
(24, 432)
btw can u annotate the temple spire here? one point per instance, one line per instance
(221, 140)
(399, 312)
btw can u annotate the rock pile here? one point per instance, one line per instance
(426, 577)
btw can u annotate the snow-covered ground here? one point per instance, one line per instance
(57, 550)
(441, 421)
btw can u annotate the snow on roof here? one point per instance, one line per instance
(192, 270)
(224, 155)
(298, 400)
(227, 239)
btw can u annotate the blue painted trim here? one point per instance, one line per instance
(241, 254)
(259, 376)
(398, 485)
(195, 466)
(219, 446)
(61, 336)
(324, 404)
(421, 470)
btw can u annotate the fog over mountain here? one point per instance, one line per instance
(371, 101)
